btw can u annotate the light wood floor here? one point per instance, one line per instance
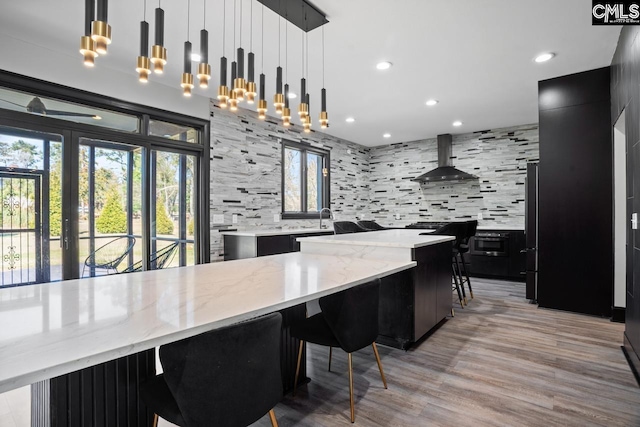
(500, 362)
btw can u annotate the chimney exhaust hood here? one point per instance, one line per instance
(445, 170)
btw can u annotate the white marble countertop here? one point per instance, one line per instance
(501, 227)
(277, 232)
(385, 238)
(55, 328)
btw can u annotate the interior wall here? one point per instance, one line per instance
(246, 174)
(620, 212)
(497, 157)
(625, 82)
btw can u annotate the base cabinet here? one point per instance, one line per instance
(412, 302)
(240, 247)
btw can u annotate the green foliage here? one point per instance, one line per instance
(164, 225)
(190, 227)
(55, 198)
(113, 218)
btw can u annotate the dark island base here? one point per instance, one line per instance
(107, 394)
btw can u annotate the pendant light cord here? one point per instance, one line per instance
(251, 28)
(188, 17)
(224, 26)
(279, 22)
(286, 48)
(323, 56)
(144, 12)
(204, 23)
(241, 1)
(235, 55)
(262, 42)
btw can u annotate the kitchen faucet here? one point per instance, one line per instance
(330, 215)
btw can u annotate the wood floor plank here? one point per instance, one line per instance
(500, 361)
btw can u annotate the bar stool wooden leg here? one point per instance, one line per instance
(330, 353)
(466, 274)
(295, 383)
(353, 412)
(272, 417)
(375, 351)
(459, 274)
(155, 420)
(455, 280)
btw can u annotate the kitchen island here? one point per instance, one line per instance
(412, 302)
(254, 243)
(88, 343)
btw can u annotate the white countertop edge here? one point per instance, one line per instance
(11, 383)
(275, 232)
(434, 240)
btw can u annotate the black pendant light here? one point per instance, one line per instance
(324, 116)
(262, 102)
(233, 97)
(204, 69)
(223, 89)
(100, 29)
(239, 83)
(158, 51)
(251, 84)
(143, 65)
(286, 111)
(187, 78)
(87, 45)
(306, 122)
(278, 98)
(303, 108)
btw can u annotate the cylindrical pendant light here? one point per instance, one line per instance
(306, 121)
(278, 98)
(223, 89)
(87, 45)
(158, 51)
(262, 103)
(286, 112)
(303, 108)
(233, 98)
(324, 116)
(204, 69)
(100, 29)
(143, 66)
(187, 77)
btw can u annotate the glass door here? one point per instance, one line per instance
(30, 207)
(109, 207)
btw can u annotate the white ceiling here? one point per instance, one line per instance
(475, 57)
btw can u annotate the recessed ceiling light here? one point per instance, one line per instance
(387, 135)
(292, 95)
(432, 102)
(195, 57)
(350, 120)
(544, 57)
(457, 123)
(385, 65)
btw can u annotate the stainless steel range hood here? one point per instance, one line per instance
(445, 170)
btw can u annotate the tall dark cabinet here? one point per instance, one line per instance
(575, 241)
(625, 95)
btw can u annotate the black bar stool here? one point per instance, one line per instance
(371, 225)
(225, 377)
(472, 226)
(457, 230)
(345, 227)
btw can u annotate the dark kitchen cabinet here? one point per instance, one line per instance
(510, 265)
(240, 247)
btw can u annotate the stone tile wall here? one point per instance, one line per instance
(246, 173)
(497, 157)
(370, 183)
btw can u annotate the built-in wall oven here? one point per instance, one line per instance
(493, 244)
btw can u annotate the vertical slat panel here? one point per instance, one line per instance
(99, 398)
(40, 416)
(289, 347)
(110, 393)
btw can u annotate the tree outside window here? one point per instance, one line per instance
(305, 180)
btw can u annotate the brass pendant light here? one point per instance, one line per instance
(324, 116)
(262, 103)
(158, 51)
(204, 69)
(278, 98)
(223, 89)
(100, 29)
(286, 111)
(239, 82)
(87, 45)
(187, 78)
(143, 65)
(251, 84)
(233, 97)
(306, 121)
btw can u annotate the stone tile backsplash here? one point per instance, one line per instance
(373, 183)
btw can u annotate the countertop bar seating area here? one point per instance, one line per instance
(293, 213)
